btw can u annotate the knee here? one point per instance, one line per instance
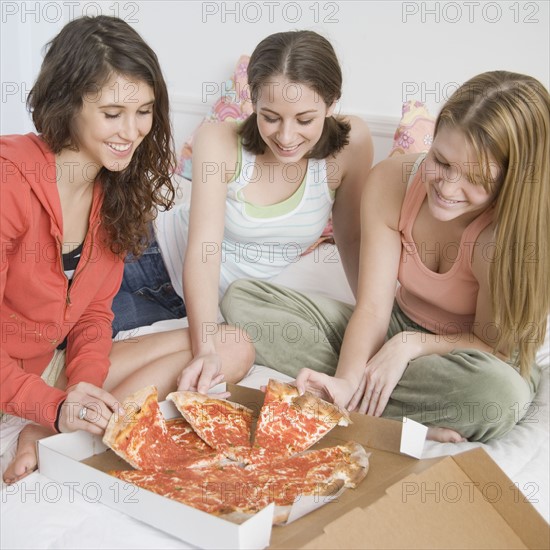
(498, 399)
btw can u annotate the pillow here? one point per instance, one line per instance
(234, 104)
(414, 133)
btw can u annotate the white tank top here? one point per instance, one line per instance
(259, 241)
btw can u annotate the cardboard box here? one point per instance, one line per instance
(464, 501)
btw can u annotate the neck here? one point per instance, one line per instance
(74, 171)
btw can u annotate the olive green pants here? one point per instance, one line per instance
(470, 391)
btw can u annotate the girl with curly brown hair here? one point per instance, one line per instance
(75, 199)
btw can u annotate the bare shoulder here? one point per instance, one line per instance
(393, 172)
(216, 137)
(215, 145)
(360, 131)
(217, 130)
(386, 186)
(360, 140)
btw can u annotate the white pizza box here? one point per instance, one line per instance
(81, 460)
(78, 459)
(392, 508)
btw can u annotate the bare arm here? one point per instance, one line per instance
(214, 158)
(378, 266)
(355, 162)
(385, 368)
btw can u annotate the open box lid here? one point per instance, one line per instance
(463, 501)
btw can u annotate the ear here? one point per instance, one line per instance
(331, 108)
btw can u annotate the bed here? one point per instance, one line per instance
(40, 513)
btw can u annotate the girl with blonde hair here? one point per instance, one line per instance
(465, 231)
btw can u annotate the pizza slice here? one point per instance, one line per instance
(227, 491)
(223, 425)
(290, 423)
(141, 438)
(320, 474)
(237, 493)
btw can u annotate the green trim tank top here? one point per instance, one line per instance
(259, 241)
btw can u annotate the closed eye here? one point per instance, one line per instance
(305, 122)
(107, 115)
(270, 120)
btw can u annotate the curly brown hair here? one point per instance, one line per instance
(80, 60)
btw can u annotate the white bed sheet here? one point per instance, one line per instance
(39, 513)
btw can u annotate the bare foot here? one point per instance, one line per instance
(25, 460)
(444, 435)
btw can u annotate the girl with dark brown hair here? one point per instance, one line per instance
(75, 199)
(263, 191)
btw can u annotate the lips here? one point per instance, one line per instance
(287, 151)
(442, 199)
(120, 147)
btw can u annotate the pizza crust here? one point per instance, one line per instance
(119, 425)
(308, 403)
(183, 398)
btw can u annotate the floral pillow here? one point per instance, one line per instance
(415, 131)
(234, 104)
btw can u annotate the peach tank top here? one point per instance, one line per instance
(443, 303)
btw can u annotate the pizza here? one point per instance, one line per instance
(222, 491)
(290, 423)
(236, 493)
(206, 459)
(197, 453)
(140, 436)
(223, 425)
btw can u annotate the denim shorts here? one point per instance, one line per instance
(146, 294)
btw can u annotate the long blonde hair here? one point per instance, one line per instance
(505, 118)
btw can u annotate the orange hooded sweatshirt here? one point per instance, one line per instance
(38, 308)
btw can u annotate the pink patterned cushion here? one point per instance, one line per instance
(234, 104)
(415, 131)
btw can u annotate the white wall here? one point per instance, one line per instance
(390, 51)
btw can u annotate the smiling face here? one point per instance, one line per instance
(113, 122)
(291, 118)
(452, 177)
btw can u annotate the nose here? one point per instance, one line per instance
(129, 129)
(286, 133)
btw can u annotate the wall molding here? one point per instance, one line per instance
(380, 125)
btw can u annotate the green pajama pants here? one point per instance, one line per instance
(470, 391)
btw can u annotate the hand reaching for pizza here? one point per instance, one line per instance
(201, 374)
(331, 388)
(88, 408)
(382, 373)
